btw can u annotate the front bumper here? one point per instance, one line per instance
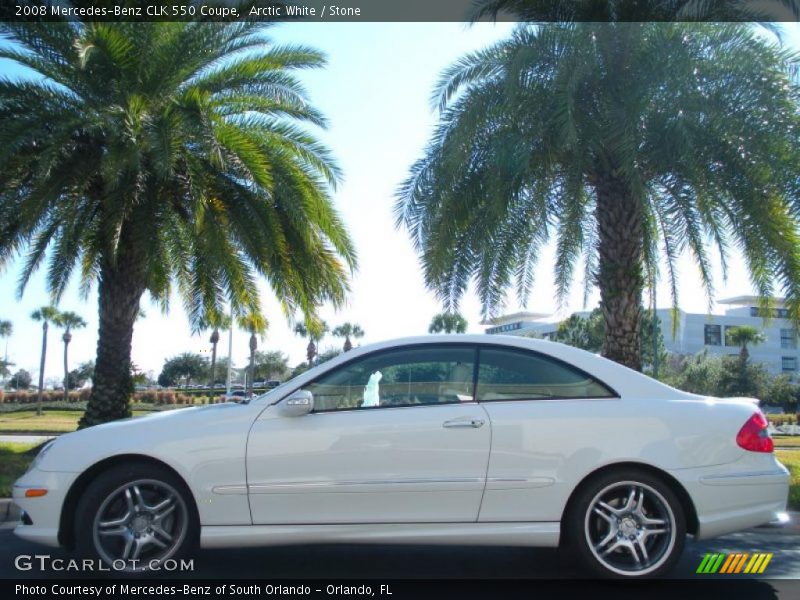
(44, 512)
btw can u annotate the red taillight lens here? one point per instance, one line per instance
(753, 435)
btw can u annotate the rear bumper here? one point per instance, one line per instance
(744, 494)
(44, 512)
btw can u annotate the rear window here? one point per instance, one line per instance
(519, 375)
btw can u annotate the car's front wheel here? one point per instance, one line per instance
(627, 523)
(134, 517)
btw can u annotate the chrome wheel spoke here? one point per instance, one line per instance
(603, 512)
(630, 503)
(126, 552)
(642, 548)
(139, 502)
(632, 548)
(606, 540)
(111, 531)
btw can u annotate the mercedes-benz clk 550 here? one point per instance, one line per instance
(465, 439)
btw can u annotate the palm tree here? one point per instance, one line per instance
(626, 142)
(348, 330)
(6, 329)
(216, 322)
(742, 336)
(45, 314)
(314, 330)
(637, 11)
(448, 322)
(166, 155)
(256, 324)
(69, 321)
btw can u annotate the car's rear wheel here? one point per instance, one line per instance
(136, 516)
(627, 523)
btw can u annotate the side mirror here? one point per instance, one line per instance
(298, 404)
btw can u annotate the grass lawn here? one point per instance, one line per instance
(54, 421)
(791, 460)
(787, 441)
(14, 461)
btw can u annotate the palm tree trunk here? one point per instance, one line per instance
(41, 370)
(66, 368)
(213, 368)
(619, 277)
(121, 288)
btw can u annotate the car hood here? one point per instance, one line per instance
(159, 435)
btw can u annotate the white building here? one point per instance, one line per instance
(695, 332)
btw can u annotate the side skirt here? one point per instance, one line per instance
(478, 534)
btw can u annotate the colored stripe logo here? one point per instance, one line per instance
(734, 563)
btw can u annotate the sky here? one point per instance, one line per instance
(375, 93)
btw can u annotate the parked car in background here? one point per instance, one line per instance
(465, 439)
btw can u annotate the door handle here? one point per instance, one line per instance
(461, 423)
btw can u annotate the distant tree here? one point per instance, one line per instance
(328, 354)
(187, 366)
(299, 370)
(314, 331)
(448, 322)
(698, 374)
(781, 391)
(742, 378)
(6, 329)
(215, 322)
(68, 321)
(348, 330)
(4, 370)
(582, 332)
(256, 324)
(588, 333)
(743, 336)
(270, 365)
(45, 314)
(21, 380)
(78, 377)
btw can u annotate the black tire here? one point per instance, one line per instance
(606, 541)
(136, 506)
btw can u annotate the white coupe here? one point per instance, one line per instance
(466, 439)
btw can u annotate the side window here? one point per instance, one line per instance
(520, 375)
(414, 376)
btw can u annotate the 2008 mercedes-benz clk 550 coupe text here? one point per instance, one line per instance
(431, 440)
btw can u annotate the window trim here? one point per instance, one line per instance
(614, 394)
(465, 345)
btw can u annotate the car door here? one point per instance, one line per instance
(537, 406)
(394, 436)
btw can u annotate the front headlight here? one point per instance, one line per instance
(45, 449)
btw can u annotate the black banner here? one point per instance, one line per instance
(400, 589)
(401, 10)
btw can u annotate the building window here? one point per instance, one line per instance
(713, 335)
(788, 338)
(777, 313)
(788, 364)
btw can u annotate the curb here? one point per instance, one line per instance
(9, 512)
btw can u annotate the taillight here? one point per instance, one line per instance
(753, 435)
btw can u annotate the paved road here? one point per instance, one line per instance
(401, 562)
